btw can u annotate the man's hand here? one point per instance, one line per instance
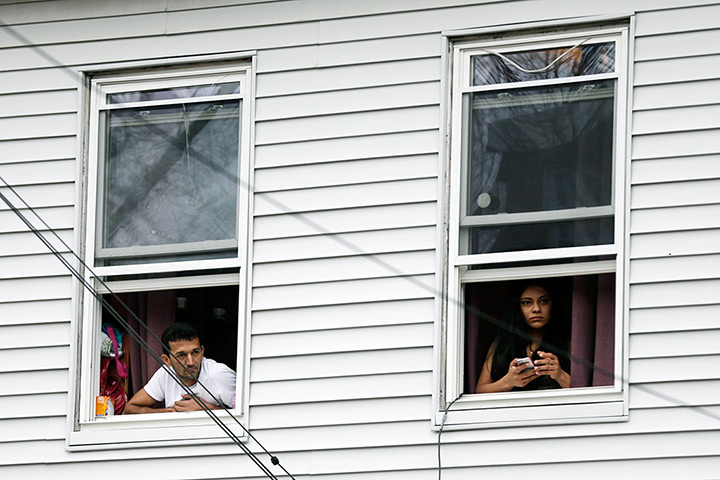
(187, 404)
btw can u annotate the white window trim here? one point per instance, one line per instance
(577, 405)
(84, 432)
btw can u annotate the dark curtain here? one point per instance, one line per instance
(479, 333)
(593, 330)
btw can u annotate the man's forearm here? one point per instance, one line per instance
(131, 409)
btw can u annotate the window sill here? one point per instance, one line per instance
(513, 409)
(154, 429)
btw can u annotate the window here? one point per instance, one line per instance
(167, 214)
(537, 161)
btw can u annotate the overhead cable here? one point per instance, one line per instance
(135, 334)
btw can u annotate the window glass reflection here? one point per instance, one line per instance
(540, 149)
(492, 68)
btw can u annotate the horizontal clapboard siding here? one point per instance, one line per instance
(340, 292)
(358, 267)
(346, 244)
(338, 221)
(348, 169)
(38, 149)
(346, 197)
(354, 148)
(675, 169)
(36, 312)
(665, 319)
(341, 316)
(345, 172)
(38, 103)
(673, 293)
(39, 117)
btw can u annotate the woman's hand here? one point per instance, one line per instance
(518, 375)
(549, 364)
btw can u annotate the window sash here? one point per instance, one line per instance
(563, 65)
(167, 267)
(543, 271)
(529, 255)
(171, 248)
(580, 213)
(170, 283)
(174, 101)
(524, 44)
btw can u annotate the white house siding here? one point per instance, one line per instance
(348, 154)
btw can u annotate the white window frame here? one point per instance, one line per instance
(547, 407)
(85, 432)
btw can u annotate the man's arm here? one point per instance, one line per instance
(188, 404)
(141, 402)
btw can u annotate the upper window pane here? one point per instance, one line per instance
(496, 68)
(540, 149)
(170, 175)
(194, 91)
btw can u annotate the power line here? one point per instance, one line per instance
(136, 335)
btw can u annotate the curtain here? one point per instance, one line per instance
(593, 330)
(479, 333)
(157, 311)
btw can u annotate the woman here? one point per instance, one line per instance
(534, 328)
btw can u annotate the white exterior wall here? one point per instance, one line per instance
(349, 110)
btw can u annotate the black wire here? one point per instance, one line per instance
(274, 459)
(119, 318)
(442, 426)
(466, 307)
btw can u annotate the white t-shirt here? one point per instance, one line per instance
(216, 377)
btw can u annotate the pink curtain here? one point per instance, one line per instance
(157, 311)
(593, 330)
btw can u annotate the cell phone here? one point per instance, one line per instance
(525, 361)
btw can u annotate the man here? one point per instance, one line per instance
(192, 369)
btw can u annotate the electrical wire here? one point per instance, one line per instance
(136, 335)
(442, 426)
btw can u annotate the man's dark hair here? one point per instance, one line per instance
(176, 332)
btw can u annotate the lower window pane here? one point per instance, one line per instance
(580, 330)
(511, 238)
(212, 312)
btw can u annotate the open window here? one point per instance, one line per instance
(166, 220)
(537, 166)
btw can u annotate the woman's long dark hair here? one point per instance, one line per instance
(513, 339)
